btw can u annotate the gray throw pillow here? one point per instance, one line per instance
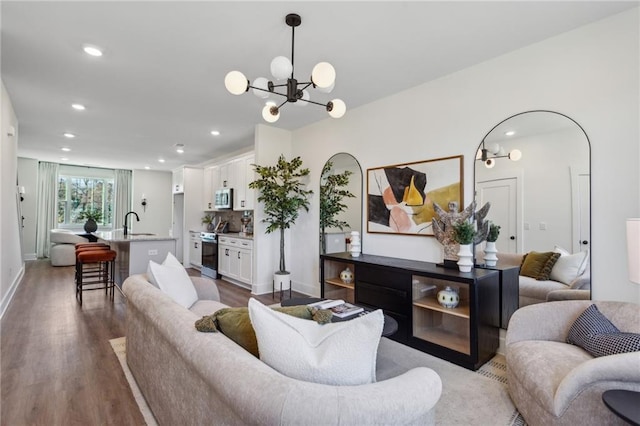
(594, 333)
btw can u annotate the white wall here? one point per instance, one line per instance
(11, 263)
(28, 177)
(590, 74)
(156, 187)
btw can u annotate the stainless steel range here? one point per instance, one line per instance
(209, 254)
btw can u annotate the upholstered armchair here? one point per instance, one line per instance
(63, 247)
(553, 382)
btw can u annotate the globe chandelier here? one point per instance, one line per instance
(323, 78)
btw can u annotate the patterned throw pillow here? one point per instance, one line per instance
(594, 333)
(538, 265)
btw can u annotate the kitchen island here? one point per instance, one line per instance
(134, 251)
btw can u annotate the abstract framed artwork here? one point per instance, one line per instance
(400, 197)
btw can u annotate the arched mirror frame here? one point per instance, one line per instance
(358, 199)
(478, 163)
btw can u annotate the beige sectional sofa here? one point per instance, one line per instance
(533, 291)
(189, 377)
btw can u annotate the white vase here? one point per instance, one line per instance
(490, 258)
(465, 258)
(448, 297)
(355, 244)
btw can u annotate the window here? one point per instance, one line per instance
(80, 193)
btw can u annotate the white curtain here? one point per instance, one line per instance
(122, 197)
(47, 203)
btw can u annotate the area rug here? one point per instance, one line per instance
(119, 346)
(468, 397)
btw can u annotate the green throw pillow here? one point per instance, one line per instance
(538, 265)
(236, 324)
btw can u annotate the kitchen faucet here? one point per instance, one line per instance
(125, 220)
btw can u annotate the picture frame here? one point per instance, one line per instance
(400, 197)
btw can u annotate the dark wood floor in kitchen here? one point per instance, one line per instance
(56, 364)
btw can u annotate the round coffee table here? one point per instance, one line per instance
(624, 403)
(390, 324)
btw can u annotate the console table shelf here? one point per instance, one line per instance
(338, 282)
(431, 303)
(407, 290)
(457, 342)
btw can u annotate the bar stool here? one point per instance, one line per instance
(100, 276)
(82, 247)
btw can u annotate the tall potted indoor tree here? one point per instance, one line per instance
(332, 192)
(283, 194)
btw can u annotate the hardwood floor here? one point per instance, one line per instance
(56, 364)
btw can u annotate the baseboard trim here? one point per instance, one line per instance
(6, 300)
(30, 256)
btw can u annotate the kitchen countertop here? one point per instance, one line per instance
(118, 236)
(236, 235)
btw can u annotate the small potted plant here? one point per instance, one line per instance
(93, 216)
(463, 233)
(207, 221)
(490, 258)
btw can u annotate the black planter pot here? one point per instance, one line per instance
(90, 226)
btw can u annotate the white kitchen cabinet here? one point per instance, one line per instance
(187, 209)
(208, 193)
(195, 250)
(244, 175)
(235, 259)
(224, 176)
(177, 181)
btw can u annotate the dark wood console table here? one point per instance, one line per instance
(406, 290)
(509, 281)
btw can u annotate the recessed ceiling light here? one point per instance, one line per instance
(66, 149)
(69, 135)
(215, 133)
(64, 159)
(78, 107)
(160, 160)
(180, 148)
(510, 133)
(147, 167)
(92, 50)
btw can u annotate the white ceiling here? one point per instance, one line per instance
(160, 81)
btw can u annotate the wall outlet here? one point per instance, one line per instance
(526, 226)
(153, 252)
(543, 226)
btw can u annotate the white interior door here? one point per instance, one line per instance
(502, 194)
(581, 211)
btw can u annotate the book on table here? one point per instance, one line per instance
(339, 307)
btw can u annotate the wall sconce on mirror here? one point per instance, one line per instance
(144, 203)
(489, 155)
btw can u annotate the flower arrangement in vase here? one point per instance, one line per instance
(490, 258)
(463, 234)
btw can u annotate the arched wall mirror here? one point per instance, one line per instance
(534, 169)
(340, 202)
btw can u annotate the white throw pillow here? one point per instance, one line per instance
(173, 280)
(170, 260)
(569, 266)
(341, 353)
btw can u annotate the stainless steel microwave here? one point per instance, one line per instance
(224, 199)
